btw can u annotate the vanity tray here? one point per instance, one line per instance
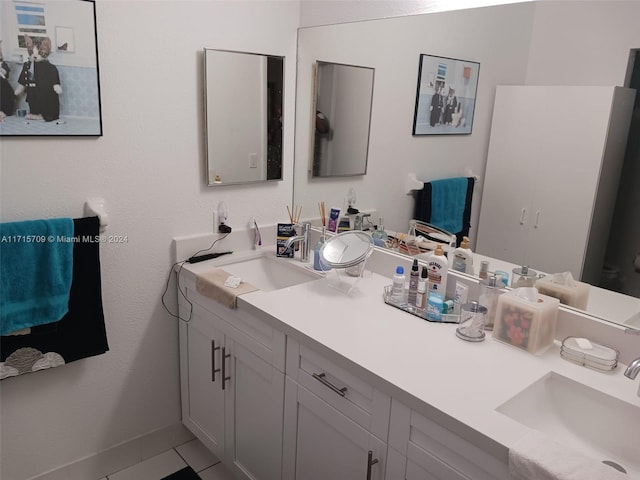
(453, 317)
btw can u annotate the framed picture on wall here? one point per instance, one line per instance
(446, 96)
(50, 82)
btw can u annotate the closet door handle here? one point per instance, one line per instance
(214, 370)
(523, 216)
(370, 463)
(321, 377)
(535, 225)
(225, 355)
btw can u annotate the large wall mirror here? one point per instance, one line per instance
(243, 116)
(536, 53)
(343, 114)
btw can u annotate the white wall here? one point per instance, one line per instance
(149, 166)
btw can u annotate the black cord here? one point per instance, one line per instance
(184, 295)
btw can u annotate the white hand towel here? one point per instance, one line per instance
(537, 457)
(211, 284)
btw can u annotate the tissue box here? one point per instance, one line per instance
(526, 324)
(575, 295)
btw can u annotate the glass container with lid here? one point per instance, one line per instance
(523, 277)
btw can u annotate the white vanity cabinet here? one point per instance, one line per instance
(335, 424)
(421, 449)
(553, 168)
(232, 386)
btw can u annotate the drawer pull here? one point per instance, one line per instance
(214, 370)
(321, 378)
(370, 463)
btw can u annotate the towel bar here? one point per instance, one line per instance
(412, 183)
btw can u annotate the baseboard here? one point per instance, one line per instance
(121, 456)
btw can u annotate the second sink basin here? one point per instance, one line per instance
(579, 416)
(270, 273)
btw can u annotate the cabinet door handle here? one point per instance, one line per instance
(321, 378)
(523, 215)
(214, 370)
(535, 225)
(370, 463)
(225, 355)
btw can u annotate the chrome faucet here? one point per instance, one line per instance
(359, 221)
(303, 239)
(632, 369)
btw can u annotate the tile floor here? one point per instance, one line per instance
(192, 453)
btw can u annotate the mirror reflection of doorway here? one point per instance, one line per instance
(622, 263)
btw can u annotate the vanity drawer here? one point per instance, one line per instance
(339, 387)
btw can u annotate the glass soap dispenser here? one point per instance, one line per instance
(489, 293)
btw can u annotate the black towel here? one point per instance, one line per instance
(423, 208)
(81, 332)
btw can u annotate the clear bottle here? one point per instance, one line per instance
(397, 289)
(414, 278)
(379, 235)
(421, 297)
(317, 261)
(489, 293)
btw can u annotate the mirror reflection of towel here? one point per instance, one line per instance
(447, 204)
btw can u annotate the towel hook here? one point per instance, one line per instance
(94, 207)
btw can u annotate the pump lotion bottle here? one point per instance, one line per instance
(437, 269)
(463, 257)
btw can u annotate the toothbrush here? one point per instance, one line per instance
(258, 240)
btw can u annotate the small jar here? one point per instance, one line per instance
(472, 319)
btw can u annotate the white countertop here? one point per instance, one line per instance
(419, 361)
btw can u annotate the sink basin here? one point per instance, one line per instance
(268, 274)
(601, 426)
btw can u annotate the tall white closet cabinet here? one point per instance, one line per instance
(553, 168)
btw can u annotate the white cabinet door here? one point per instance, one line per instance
(232, 396)
(429, 450)
(400, 467)
(322, 443)
(202, 396)
(254, 415)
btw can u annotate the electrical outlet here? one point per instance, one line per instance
(253, 160)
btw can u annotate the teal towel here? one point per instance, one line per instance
(36, 269)
(448, 200)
